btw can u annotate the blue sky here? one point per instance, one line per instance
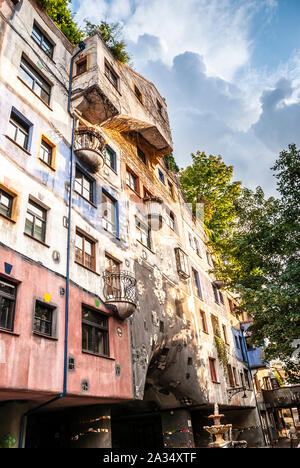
(229, 70)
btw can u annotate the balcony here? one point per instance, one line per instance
(89, 146)
(283, 397)
(105, 95)
(119, 290)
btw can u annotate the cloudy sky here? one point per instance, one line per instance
(229, 70)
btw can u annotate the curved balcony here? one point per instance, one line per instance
(89, 147)
(120, 290)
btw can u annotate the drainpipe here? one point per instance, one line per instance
(251, 376)
(81, 46)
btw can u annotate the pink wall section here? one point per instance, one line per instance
(32, 363)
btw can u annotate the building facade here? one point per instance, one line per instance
(113, 331)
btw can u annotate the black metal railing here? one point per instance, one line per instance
(119, 286)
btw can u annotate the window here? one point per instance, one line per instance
(19, 129)
(215, 290)
(212, 366)
(81, 66)
(197, 247)
(112, 283)
(8, 293)
(246, 374)
(170, 188)
(204, 322)
(141, 155)
(35, 81)
(132, 181)
(221, 297)
(110, 158)
(111, 75)
(230, 375)
(110, 214)
(138, 94)
(46, 152)
(231, 306)
(144, 233)
(94, 332)
(43, 319)
(84, 185)
(161, 176)
(237, 341)
(85, 248)
(196, 284)
(159, 107)
(170, 219)
(235, 377)
(6, 204)
(182, 263)
(215, 325)
(225, 334)
(42, 40)
(35, 223)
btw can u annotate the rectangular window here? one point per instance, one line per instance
(94, 332)
(112, 283)
(109, 214)
(237, 342)
(138, 94)
(81, 66)
(144, 233)
(42, 40)
(235, 377)
(46, 153)
(170, 188)
(6, 203)
(204, 322)
(84, 185)
(230, 375)
(170, 219)
(212, 366)
(182, 263)
(111, 75)
(215, 325)
(196, 284)
(197, 247)
(35, 223)
(225, 334)
(85, 250)
(216, 294)
(132, 181)
(161, 176)
(8, 293)
(35, 81)
(159, 107)
(247, 380)
(110, 158)
(18, 130)
(141, 156)
(221, 297)
(43, 319)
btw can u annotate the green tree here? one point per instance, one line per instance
(209, 181)
(261, 261)
(112, 36)
(60, 12)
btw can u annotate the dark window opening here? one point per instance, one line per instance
(94, 332)
(43, 319)
(8, 293)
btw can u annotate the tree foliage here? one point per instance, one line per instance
(261, 261)
(209, 181)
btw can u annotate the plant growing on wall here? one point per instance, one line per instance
(7, 441)
(222, 351)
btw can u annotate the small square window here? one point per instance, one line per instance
(46, 153)
(43, 319)
(19, 129)
(40, 37)
(35, 80)
(132, 181)
(94, 332)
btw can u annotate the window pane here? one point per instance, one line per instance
(43, 319)
(6, 313)
(37, 210)
(6, 202)
(29, 224)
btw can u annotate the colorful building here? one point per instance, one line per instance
(113, 331)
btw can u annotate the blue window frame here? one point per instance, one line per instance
(110, 213)
(111, 158)
(20, 129)
(161, 176)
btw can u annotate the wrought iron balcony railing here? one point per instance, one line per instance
(89, 148)
(119, 289)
